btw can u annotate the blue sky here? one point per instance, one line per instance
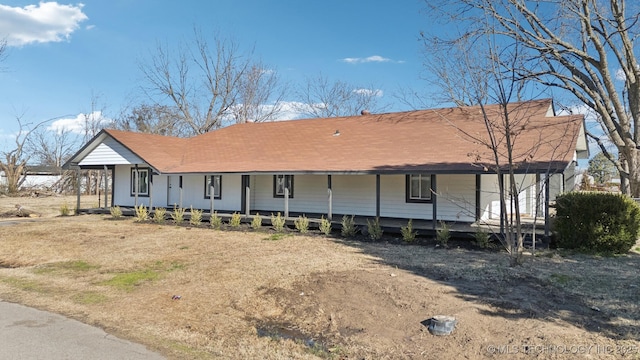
(61, 54)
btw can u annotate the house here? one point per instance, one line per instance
(430, 165)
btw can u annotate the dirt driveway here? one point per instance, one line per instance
(198, 293)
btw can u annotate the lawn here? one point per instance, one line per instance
(199, 293)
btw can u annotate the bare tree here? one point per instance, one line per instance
(319, 97)
(51, 148)
(583, 47)
(93, 122)
(153, 119)
(211, 87)
(260, 97)
(15, 160)
(479, 74)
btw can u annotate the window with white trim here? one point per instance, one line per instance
(143, 181)
(217, 186)
(419, 188)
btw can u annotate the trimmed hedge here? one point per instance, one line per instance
(597, 222)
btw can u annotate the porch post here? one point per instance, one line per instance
(286, 201)
(377, 195)
(434, 197)
(478, 193)
(180, 201)
(150, 188)
(245, 195)
(330, 194)
(211, 196)
(136, 185)
(547, 225)
(502, 200)
(79, 185)
(106, 187)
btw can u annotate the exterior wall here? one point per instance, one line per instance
(393, 200)
(456, 197)
(354, 194)
(192, 193)
(309, 194)
(122, 187)
(570, 178)
(110, 152)
(556, 186)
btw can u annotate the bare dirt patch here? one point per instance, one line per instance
(198, 293)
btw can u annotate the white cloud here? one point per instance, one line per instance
(374, 58)
(369, 92)
(620, 75)
(45, 22)
(79, 123)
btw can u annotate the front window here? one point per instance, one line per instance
(142, 181)
(217, 186)
(418, 188)
(280, 182)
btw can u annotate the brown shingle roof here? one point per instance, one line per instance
(437, 140)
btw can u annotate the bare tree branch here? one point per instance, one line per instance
(212, 84)
(583, 47)
(319, 97)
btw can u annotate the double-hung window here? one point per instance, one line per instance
(216, 180)
(142, 188)
(419, 188)
(281, 182)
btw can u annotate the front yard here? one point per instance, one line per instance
(199, 293)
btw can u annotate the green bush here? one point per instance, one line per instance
(142, 213)
(178, 215)
(278, 222)
(215, 221)
(325, 226)
(482, 239)
(302, 224)
(597, 222)
(158, 215)
(349, 228)
(196, 217)
(443, 234)
(408, 234)
(116, 212)
(65, 210)
(374, 229)
(256, 223)
(235, 220)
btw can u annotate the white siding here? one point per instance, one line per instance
(262, 194)
(192, 191)
(556, 186)
(122, 186)
(456, 197)
(159, 191)
(354, 194)
(110, 152)
(309, 194)
(393, 200)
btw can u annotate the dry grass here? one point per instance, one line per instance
(359, 299)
